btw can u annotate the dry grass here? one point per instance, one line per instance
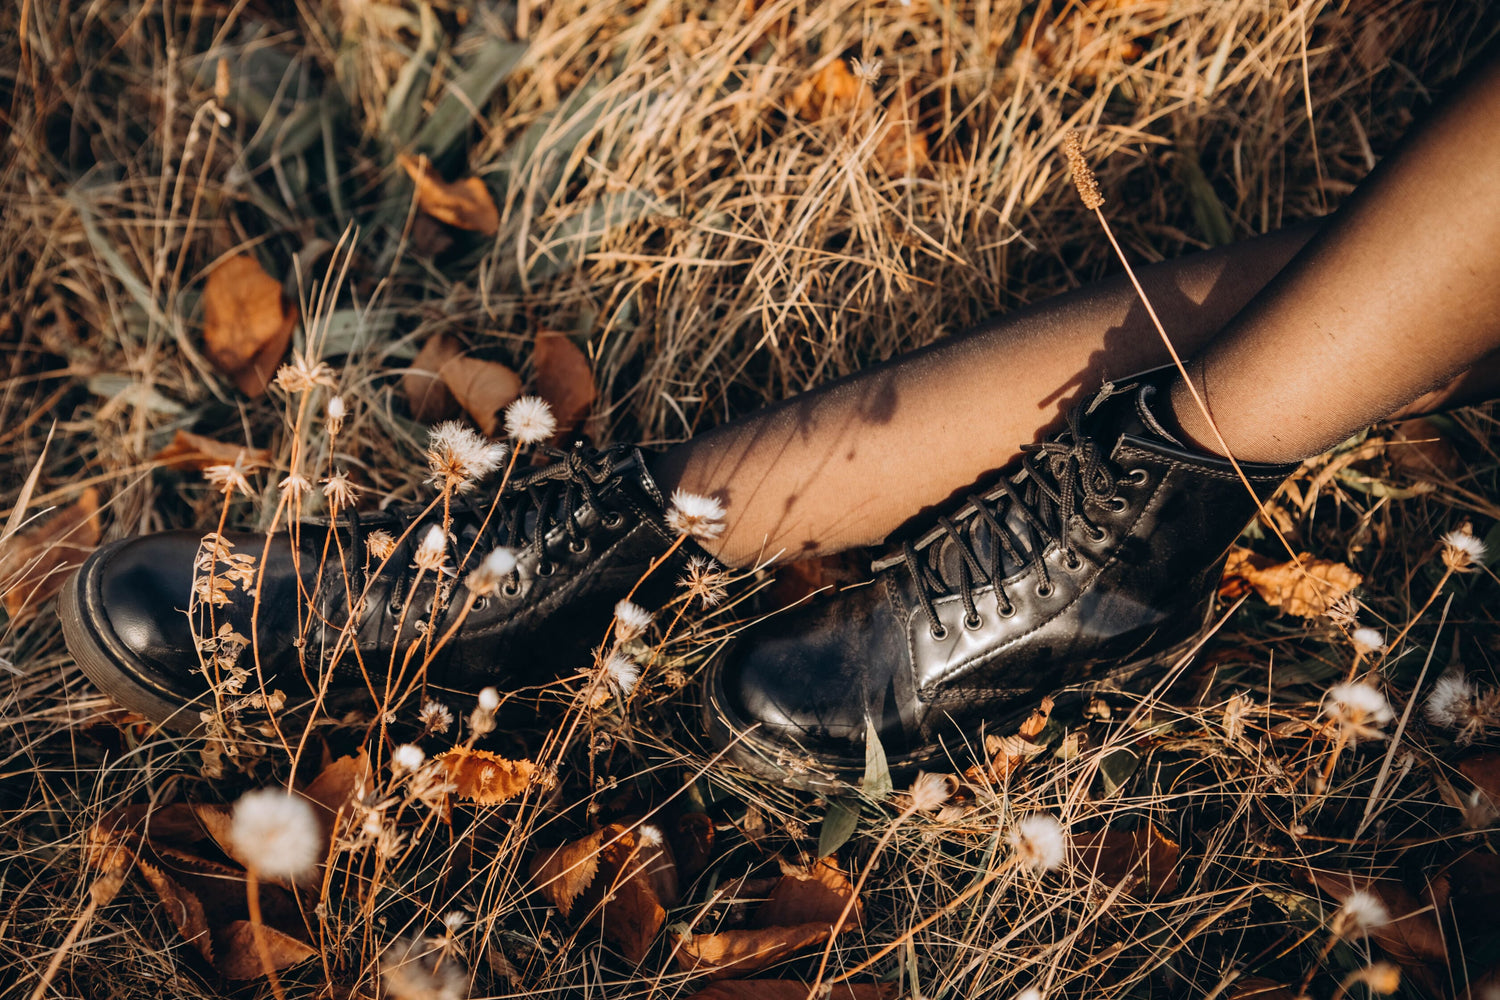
(661, 200)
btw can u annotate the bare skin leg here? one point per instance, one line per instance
(1393, 299)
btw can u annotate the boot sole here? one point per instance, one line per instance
(108, 663)
(823, 774)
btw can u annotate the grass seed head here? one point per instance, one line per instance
(1083, 174)
(1367, 640)
(275, 833)
(379, 544)
(294, 487)
(1384, 978)
(929, 791)
(1040, 842)
(339, 492)
(1358, 709)
(696, 515)
(435, 717)
(529, 420)
(1361, 912)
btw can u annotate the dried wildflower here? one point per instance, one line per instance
(454, 921)
(929, 791)
(380, 544)
(1462, 552)
(1083, 174)
(631, 621)
(529, 420)
(433, 551)
(1361, 912)
(1358, 709)
(496, 566)
(1235, 713)
(1381, 977)
(1451, 702)
(1344, 612)
(336, 413)
(1040, 842)
(294, 487)
(867, 73)
(303, 374)
(620, 673)
(421, 969)
(489, 700)
(275, 833)
(229, 479)
(458, 457)
(1367, 640)
(407, 758)
(705, 583)
(339, 492)
(649, 836)
(435, 717)
(692, 514)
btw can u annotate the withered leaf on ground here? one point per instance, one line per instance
(835, 90)
(35, 562)
(194, 451)
(564, 873)
(1007, 753)
(422, 383)
(483, 388)
(335, 788)
(606, 877)
(1483, 771)
(182, 907)
(240, 958)
(1306, 588)
(813, 895)
(790, 989)
(462, 204)
(564, 378)
(694, 844)
(246, 327)
(1260, 988)
(1144, 853)
(1412, 937)
(484, 777)
(1419, 447)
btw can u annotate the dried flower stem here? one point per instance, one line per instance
(258, 930)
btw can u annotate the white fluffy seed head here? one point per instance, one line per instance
(1462, 551)
(1030, 993)
(696, 515)
(336, 414)
(1361, 912)
(275, 833)
(339, 492)
(433, 549)
(631, 621)
(458, 457)
(489, 699)
(1367, 640)
(492, 572)
(1451, 704)
(929, 791)
(1040, 842)
(1357, 705)
(620, 672)
(649, 836)
(406, 758)
(529, 420)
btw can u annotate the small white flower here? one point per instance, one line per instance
(704, 581)
(458, 457)
(1362, 911)
(435, 716)
(868, 73)
(1358, 708)
(421, 969)
(454, 920)
(649, 836)
(621, 673)
(433, 550)
(631, 621)
(929, 791)
(1367, 640)
(496, 567)
(275, 833)
(530, 421)
(407, 757)
(295, 486)
(1451, 703)
(489, 699)
(1040, 842)
(336, 414)
(229, 479)
(339, 491)
(1462, 551)
(692, 514)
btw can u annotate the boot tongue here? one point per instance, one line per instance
(1114, 411)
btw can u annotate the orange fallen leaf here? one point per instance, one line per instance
(816, 895)
(35, 562)
(790, 989)
(564, 378)
(482, 388)
(1306, 588)
(607, 877)
(694, 843)
(463, 204)
(1007, 753)
(1419, 447)
(484, 777)
(422, 384)
(194, 451)
(334, 791)
(183, 908)
(246, 327)
(832, 90)
(732, 953)
(564, 873)
(1413, 936)
(240, 958)
(1483, 771)
(1144, 854)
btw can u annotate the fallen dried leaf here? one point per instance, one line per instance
(790, 989)
(184, 909)
(482, 388)
(240, 959)
(564, 378)
(484, 777)
(1079, 45)
(35, 562)
(832, 90)
(733, 953)
(1306, 588)
(694, 844)
(1413, 936)
(1008, 753)
(422, 383)
(606, 876)
(816, 895)
(463, 204)
(194, 451)
(246, 327)
(335, 789)
(902, 150)
(1483, 771)
(563, 874)
(1144, 853)
(1418, 447)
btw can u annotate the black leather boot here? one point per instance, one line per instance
(586, 528)
(1098, 557)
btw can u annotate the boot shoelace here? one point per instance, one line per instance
(1058, 478)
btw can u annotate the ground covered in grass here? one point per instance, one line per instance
(660, 215)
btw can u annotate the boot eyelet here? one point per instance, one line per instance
(612, 520)
(1117, 504)
(546, 570)
(511, 588)
(1139, 477)
(482, 604)
(973, 622)
(1071, 560)
(578, 548)
(1099, 535)
(1009, 611)
(1045, 590)
(938, 634)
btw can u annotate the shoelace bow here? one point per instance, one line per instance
(1059, 477)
